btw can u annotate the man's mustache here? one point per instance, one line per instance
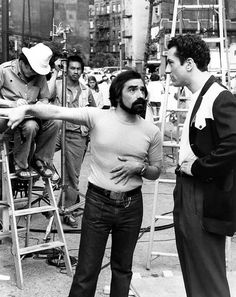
(139, 101)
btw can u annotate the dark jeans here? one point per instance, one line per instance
(103, 215)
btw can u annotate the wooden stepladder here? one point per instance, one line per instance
(218, 9)
(10, 214)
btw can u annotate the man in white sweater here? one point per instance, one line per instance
(124, 149)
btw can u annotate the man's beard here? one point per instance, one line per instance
(137, 107)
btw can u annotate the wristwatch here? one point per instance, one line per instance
(143, 169)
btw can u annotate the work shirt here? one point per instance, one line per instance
(14, 85)
(77, 97)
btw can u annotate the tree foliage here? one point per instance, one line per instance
(103, 59)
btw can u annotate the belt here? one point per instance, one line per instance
(112, 194)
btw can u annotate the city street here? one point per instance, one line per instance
(41, 279)
(80, 47)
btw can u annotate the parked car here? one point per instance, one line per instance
(110, 69)
(97, 73)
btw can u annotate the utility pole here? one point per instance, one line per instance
(152, 4)
(5, 30)
(23, 24)
(148, 36)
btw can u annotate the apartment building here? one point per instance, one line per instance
(32, 21)
(119, 27)
(105, 30)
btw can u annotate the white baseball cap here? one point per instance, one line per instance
(38, 57)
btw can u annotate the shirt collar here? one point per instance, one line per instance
(81, 85)
(17, 69)
(16, 66)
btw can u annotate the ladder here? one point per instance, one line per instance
(222, 40)
(10, 214)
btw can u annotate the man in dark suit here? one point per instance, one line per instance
(205, 192)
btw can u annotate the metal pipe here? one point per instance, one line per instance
(63, 130)
(5, 30)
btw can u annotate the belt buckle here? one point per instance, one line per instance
(117, 195)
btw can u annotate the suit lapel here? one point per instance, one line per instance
(198, 102)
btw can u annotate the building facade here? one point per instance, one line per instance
(119, 27)
(105, 32)
(75, 14)
(201, 21)
(32, 21)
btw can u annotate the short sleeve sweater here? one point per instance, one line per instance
(111, 137)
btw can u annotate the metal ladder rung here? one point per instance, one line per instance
(13, 176)
(5, 234)
(164, 254)
(41, 247)
(20, 200)
(198, 6)
(170, 144)
(33, 210)
(213, 39)
(168, 181)
(178, 109)
(10, 214)
(4, 204)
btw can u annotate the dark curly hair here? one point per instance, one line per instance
(117, 85)
(76, 58)
(191, 46)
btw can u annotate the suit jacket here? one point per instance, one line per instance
(212, 136)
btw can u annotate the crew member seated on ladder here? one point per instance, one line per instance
(23, 81)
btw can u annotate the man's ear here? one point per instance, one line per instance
(189, 64)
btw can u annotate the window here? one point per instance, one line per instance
(114, 48)
(114, 34)
(119, 35)
(71, 16)
(97, 9)
(113, 8)
(157, 10)
(107, 48)
(91, 49)
(108, 34)
(91, 13)
(114, 21)
(91, 36)
(118, 7)
(91, 25)
(108, 8)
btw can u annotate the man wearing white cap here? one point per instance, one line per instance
(23, 81)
